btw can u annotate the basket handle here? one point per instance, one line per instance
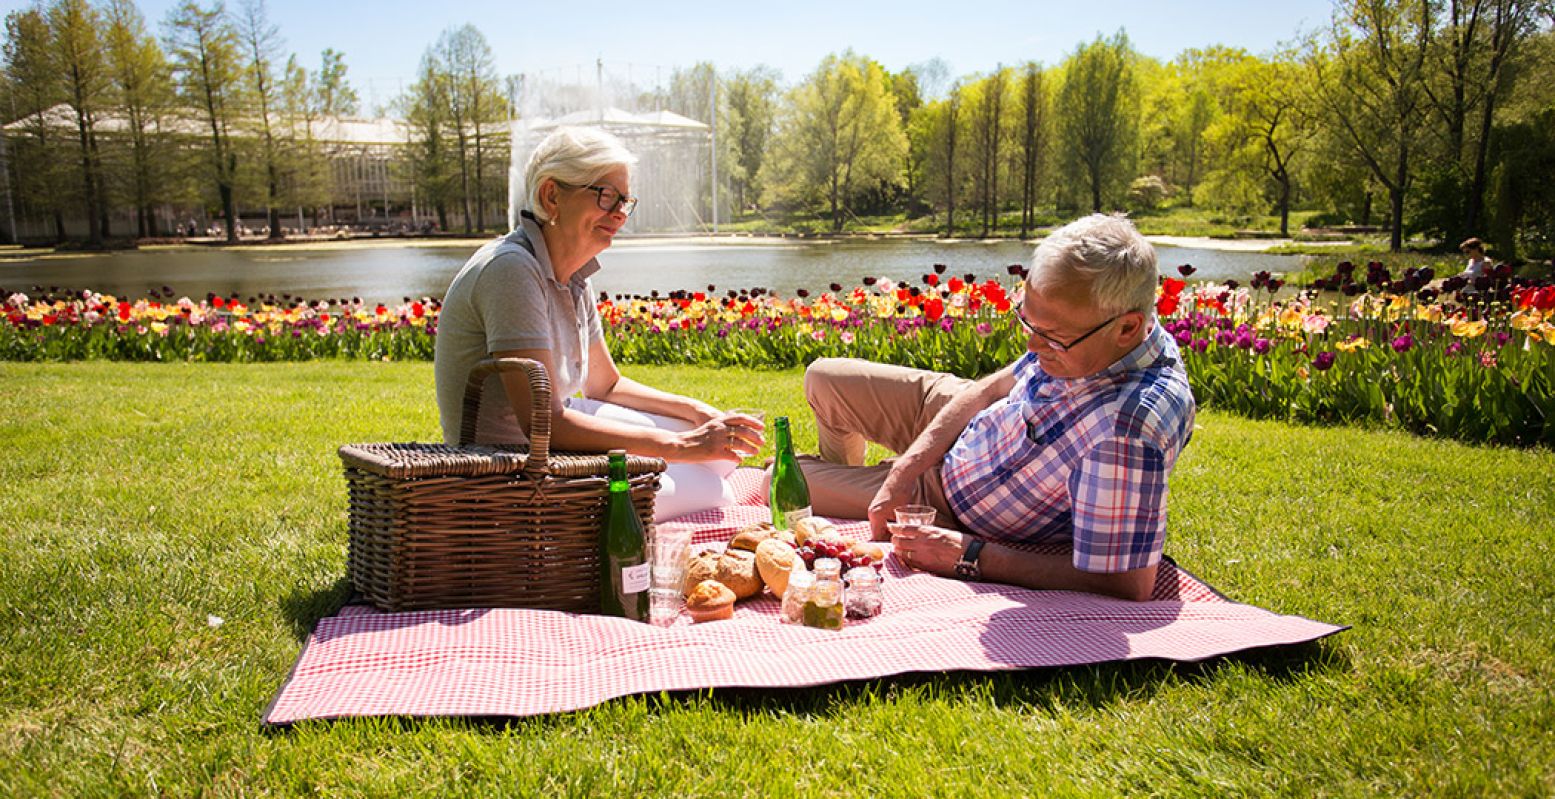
(539, 407)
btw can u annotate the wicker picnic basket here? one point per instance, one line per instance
(435, 526)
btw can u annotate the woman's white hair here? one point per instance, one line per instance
(1108, 255)
(575, 156)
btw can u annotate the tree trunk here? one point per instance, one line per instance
(1285, 208)
(59, 226)
(1396, 203)
(94, 222)
(230, 210)
(1095, 190)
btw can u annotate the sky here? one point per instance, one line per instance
(647, 39)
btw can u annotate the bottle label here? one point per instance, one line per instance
(792, 517)
(634, 579)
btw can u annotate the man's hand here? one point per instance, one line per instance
(893, 494)
(930, 549)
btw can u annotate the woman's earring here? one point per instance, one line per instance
(553, 221)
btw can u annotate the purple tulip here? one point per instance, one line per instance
(983, 328)
(1323, 361)
(1502, 337)
(1261, 345)
(1199, 345)
(1225, 338)
(1403, 343)
(1183, 337)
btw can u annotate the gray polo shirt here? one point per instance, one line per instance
(507, 297)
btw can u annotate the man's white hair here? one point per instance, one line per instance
(575, 156)
(1106, 253)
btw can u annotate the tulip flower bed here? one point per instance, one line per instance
(1474, 361)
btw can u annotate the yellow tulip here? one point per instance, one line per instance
(1463, 328)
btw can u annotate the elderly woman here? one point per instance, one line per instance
(527, 295)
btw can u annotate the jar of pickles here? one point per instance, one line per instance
(824, 609)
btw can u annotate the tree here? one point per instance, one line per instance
(1099, 115)
(138, 75)
(1369, 83)
(1470, 52)
(474, 102)
(840, 134)
(207, 66)
(261, 45)
(75, 29)
(988, 123)
(751, 99)
(334, 94)
(32, 81)
(428, 121)
(1260, 134)
(1033, 140)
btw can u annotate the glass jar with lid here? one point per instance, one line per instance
(824, 608)
(863, 593)
(798, 593)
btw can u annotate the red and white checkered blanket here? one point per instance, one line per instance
(511, 662)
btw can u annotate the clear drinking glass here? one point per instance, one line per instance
(664, 605)
(755, 413)
(668, 548)
(916, 515)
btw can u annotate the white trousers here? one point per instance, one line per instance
(684, 487)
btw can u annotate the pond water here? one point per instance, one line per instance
(633, 266)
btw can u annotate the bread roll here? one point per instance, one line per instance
(698, 568)
(775, 561)
(737, 570)
(812, 527)
(751, 537)
(864, 549)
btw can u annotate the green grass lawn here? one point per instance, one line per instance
(137, 500)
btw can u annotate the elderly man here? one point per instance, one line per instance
(1071, 443)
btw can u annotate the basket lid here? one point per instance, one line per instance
(405, 460)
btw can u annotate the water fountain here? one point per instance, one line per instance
(673, 173)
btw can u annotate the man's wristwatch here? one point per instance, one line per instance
(967, 568)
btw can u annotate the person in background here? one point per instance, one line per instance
(1478, 264)
(1071, 444)
(528, 295)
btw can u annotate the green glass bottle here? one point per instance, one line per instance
(790, 494)
(623, 557)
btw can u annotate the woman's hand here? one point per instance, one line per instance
(729, 437)
(926, 548)
(701, 413)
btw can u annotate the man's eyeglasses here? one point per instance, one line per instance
(609, 199)
(1062, 346)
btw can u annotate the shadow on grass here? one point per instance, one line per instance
(306, 605)
(1035, 690)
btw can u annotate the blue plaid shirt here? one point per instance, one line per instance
(1083, 460)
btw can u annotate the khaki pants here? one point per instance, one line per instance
(855, 402)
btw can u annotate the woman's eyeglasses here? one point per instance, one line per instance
(609, 199)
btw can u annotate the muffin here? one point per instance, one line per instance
(710, 600)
